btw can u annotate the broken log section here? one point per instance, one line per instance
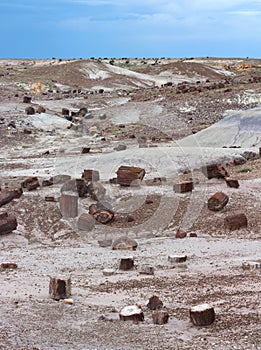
(130, 176)
(202, 315)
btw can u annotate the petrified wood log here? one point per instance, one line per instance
(131, 313)
(202, 315)
(154, 303)
(60, 288)
(218, 201)
(232, 183)
(103, 216)
(30, 183)
(96, 190)
(91, 175)
(8, 223)
(86, 222)
(235, 222)
(6, 197)
(75, 185)
(182, 187)
(130, 176)
(126, 263)
(160, 317)
(69, 205)
(215, 171)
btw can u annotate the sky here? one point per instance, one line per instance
(130, 28)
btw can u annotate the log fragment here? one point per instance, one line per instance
(126, 263)
(215, 171)
(75, 185)
(177, 258)
(69, 205)
(86, 222)
(8, 266)
(8, 223)
(91, 175)
(251, 265)
(235, 222)
(160, 317)
(131, 313)
(103, 216)
(130, 176)
(183, 187)
(146, 270)
(6, 197)
(218, 201)
(154, 303)
(30, 183)
(96, 190)
(202, 315)
(60, 288)
(124, 243)
(233, 183)
(180, 233)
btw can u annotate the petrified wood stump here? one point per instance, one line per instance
(154, 303)
(126, 263)
(103, 216)
(60, 288)
(86, 222)
(233, 183)
(69, 205)
(215, 171)
(8, 223)
(160, 317)
(202, 315)
(130, 176)
(183, 187)
(91, 175)
(235, 222)
(131, 313)
(218, 201)
(6, 197)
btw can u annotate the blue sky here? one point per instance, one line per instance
(130, 28)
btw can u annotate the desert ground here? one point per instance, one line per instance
(172, 118)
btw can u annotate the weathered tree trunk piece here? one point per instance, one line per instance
(75, 185)
(160, 317)
(103, 216)
(124, 243)
(218, 201)
(85, 150)
(8, 223)
(177, 258)
(202, 315)
(235, 222)
(6, 197)
(183, 187)
(251, 265)
(130, 176)
(146, 270)
(91, 175)
(154, 303)
(131, 313)
(215, 171)
(60, 288)
(233, 183)
(96, 190)
(8, 266)
(180, 233)
(126, 263)
(86, 222)
(69, 205)
(30, 183)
